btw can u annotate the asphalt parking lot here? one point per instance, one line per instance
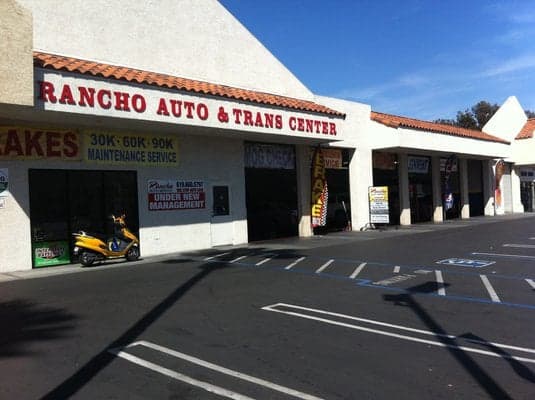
(441, 311)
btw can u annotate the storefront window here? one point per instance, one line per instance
(64, 201)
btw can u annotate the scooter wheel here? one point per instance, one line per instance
(87, 258)
(133, 253)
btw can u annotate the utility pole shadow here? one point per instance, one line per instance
(487, 383)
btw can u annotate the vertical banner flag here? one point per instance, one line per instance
(448, 193)
(320, 192)
(498, 200)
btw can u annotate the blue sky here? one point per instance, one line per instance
(425, 59)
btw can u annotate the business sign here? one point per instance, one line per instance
(51, 253)
(17, 143)
(175, 195)
(320, 191)
(131, 149)
(418, 165)
(4, 182)
(272, 156)
(69, 92)
(378, 199)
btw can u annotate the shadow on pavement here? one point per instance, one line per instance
(87, 372)
(24, 322)
(485, 381)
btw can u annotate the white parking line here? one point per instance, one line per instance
(298, 311)
(322, 268)
(217, 255)
(214, 367)
(531, 283)
(357, 270)
(290, 266)
(490, 289)
(520, 246)
(503, 255)
(440, 283)
(184, 378)
(237, 259)
(396, 269)
(265, 260)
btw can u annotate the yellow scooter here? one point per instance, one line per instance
(90, 249)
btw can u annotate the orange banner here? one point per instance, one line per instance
(18, 143)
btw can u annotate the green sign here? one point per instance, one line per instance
(51, 253)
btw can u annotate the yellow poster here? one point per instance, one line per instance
(130, 148)
(19, 143)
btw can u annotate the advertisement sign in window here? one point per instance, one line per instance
(51, 253)
(4, 182)
(175, 195)
(378, 198)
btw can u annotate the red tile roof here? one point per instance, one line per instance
(395, 121)
(86, 67)
(527, 130)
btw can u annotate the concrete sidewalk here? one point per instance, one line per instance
(316, 241)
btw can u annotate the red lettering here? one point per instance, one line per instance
(162, 107)
(189, 106)
(269, 120)
(325, 127)
(278, 121)
(317, 125)
(86, 95)
(292, 122)
(70, 145)
(46, 92)
(259, 121)
(121, 101)
(32, 143)
(333, 128)
(100, 99)
(247, 118)
(66, 96)
(310, 125)
(300, 124)
(138, 103)
(202, 111)
(13, 143)
(176, 108)
(237, 114)
(52, 142)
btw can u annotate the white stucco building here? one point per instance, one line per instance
(155, 110)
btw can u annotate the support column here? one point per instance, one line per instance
(463, 181)
(360, 179)
(302, 166)
(518, 207)
(438, 212)
(488, 186)
(404, 198)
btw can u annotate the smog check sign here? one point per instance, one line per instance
(462, 262)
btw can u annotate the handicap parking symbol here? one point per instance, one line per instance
(463, 262)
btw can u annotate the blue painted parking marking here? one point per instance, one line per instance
(463, 262)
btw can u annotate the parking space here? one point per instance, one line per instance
(461, 279)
